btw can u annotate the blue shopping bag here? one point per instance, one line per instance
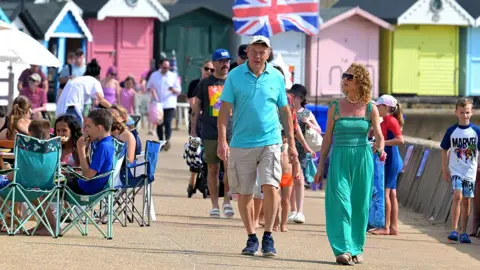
(376, 216)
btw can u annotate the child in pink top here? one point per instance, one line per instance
(127, 95)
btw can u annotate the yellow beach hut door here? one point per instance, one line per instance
(432, 53)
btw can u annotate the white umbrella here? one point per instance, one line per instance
(18, 47)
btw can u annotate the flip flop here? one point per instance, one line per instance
(215, 212)
(228, 210)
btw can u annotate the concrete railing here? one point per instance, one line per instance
(420, 185)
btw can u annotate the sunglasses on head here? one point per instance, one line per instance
(207, 69)
(347, 76)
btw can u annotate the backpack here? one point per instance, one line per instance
(62, 85)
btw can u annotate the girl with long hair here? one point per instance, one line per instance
(392, 123)
(68, 128)
(19, 118)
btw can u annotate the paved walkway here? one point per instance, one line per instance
(183, 237)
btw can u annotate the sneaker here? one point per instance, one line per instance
(299, 218)
(267, 247)
(291, 216)
(252, 247)
(465, 239)
(453, 236)
(167, 146)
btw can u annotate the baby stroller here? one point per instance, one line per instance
(201, 183)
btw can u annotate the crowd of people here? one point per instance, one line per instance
(252, 125)
(251, 131)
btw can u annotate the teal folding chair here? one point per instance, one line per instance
(81, 208)
(36, 176)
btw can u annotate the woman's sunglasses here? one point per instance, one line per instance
(211, 70)
(347, 76)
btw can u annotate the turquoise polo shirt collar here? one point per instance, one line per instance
(268, 68)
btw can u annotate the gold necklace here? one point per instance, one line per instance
(352, 101)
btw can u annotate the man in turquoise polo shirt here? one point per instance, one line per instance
(256, 93)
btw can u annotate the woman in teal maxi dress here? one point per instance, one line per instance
(350, 172)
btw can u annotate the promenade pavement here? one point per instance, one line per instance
(184, 237)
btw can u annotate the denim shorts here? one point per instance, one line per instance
(467, 187)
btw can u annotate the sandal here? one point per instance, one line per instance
(345, 259)
(215, 213)
(358, 259)
(228, 210)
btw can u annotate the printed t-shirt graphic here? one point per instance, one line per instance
(462, 143)
(214, 93)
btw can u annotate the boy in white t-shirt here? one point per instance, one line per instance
(460, 147)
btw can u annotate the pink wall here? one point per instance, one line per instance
(126, 43)
(348, 41)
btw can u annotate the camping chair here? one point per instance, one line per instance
(133, 183)
(36, 172)
(81, 207)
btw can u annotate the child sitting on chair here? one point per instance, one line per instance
(39, 129)
(68, 128)
(97, 132)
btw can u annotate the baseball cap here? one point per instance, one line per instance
(387, 100)
(220, 54)
(242, 51)
(260, 40)
(36, 77)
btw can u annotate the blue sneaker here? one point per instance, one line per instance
(267, 247)
(465, 239)
(252, 247)
(453, 236)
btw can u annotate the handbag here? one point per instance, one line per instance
(155, 113)
(313, 139)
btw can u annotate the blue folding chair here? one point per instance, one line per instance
(134, 182)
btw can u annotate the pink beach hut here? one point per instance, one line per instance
(347, 35)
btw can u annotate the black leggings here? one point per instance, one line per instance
(168, 115)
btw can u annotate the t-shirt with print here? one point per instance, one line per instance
(462, 144)
(103, 153)
(208, 92)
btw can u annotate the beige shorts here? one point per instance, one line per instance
(243, 164)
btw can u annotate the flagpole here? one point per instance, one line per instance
(318, 66)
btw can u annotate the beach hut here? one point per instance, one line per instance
(346, 35)
(470, 52)
(122, 32)
(421, 57)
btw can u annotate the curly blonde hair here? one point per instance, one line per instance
(364, 83)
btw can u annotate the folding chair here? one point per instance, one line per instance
(82, 206)
(36, 174)
(134, 181)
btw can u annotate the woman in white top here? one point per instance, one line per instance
(79, 90)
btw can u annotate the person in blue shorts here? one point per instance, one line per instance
(97, 132)
(459, 166)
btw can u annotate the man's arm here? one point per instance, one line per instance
(195, 112)
(222, 121)
(287, 123)
(45, 84)
(102, 101)
(64, 77)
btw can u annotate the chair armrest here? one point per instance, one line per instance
(135, 165)
(71, 171)
(7, 171)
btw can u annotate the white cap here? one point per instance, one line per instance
(260, 39)
(387, 100)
